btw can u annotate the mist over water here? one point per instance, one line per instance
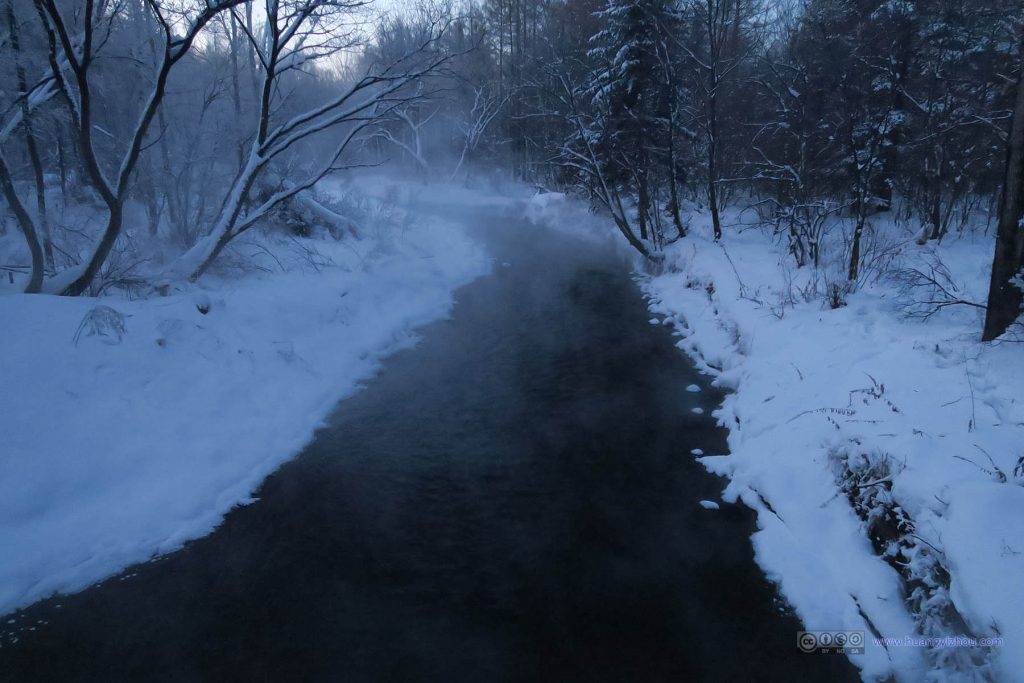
(220, 218)
(511, 500)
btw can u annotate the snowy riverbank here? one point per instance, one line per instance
(915, 423)
(828, 404)
(114, 450)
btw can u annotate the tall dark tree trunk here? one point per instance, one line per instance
(674, 207)
(854, 269)
(62, 163)
(154, 211)
(172, 184)
(936, 211)
(643, 202)
(28, 228)
(716, 221)
(236, 91)
(935, 187)
(673, 181)
(1004, 299)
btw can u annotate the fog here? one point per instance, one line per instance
(627, 340)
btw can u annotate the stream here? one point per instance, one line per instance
(514, 499)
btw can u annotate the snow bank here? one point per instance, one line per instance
(864, 381)
(112, 452)
(817, 391)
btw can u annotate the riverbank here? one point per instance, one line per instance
(881, 452)
(509, 501)
(132, 426)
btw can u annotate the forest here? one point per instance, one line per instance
(141, 138)
(527, 340)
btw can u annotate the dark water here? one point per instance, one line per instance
(512, 500)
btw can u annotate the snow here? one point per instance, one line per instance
(696, 451)
(812, 388)
(182, 413)
(114, 451)
(808, 381)
(693, 388)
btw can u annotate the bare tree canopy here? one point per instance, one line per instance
(209, 117)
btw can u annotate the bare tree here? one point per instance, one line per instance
(474, 123)
(22, 115)
(719, 51)
(30, 134)
(580, 157)
(413, 121)
(297, 34)
(74, 39)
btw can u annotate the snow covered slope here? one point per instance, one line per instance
(858, 422)
(882, 453)
(114, 450)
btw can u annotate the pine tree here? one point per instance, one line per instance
(632, 96)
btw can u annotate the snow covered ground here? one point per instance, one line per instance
(915, 422)
(131, 426)
(883, 454)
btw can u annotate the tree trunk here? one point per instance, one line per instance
(236, 92)
(204, 265)
(28, 228)
(858, 231)
(936, 211)
(62, 163)
(224, 230)
(153, 210)
(713, 163)
(673, 185)
(623, 225)
(1004, 299)
(110, 234)
(642, 203)
(31, 145)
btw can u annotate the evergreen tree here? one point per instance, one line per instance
(632, 96)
